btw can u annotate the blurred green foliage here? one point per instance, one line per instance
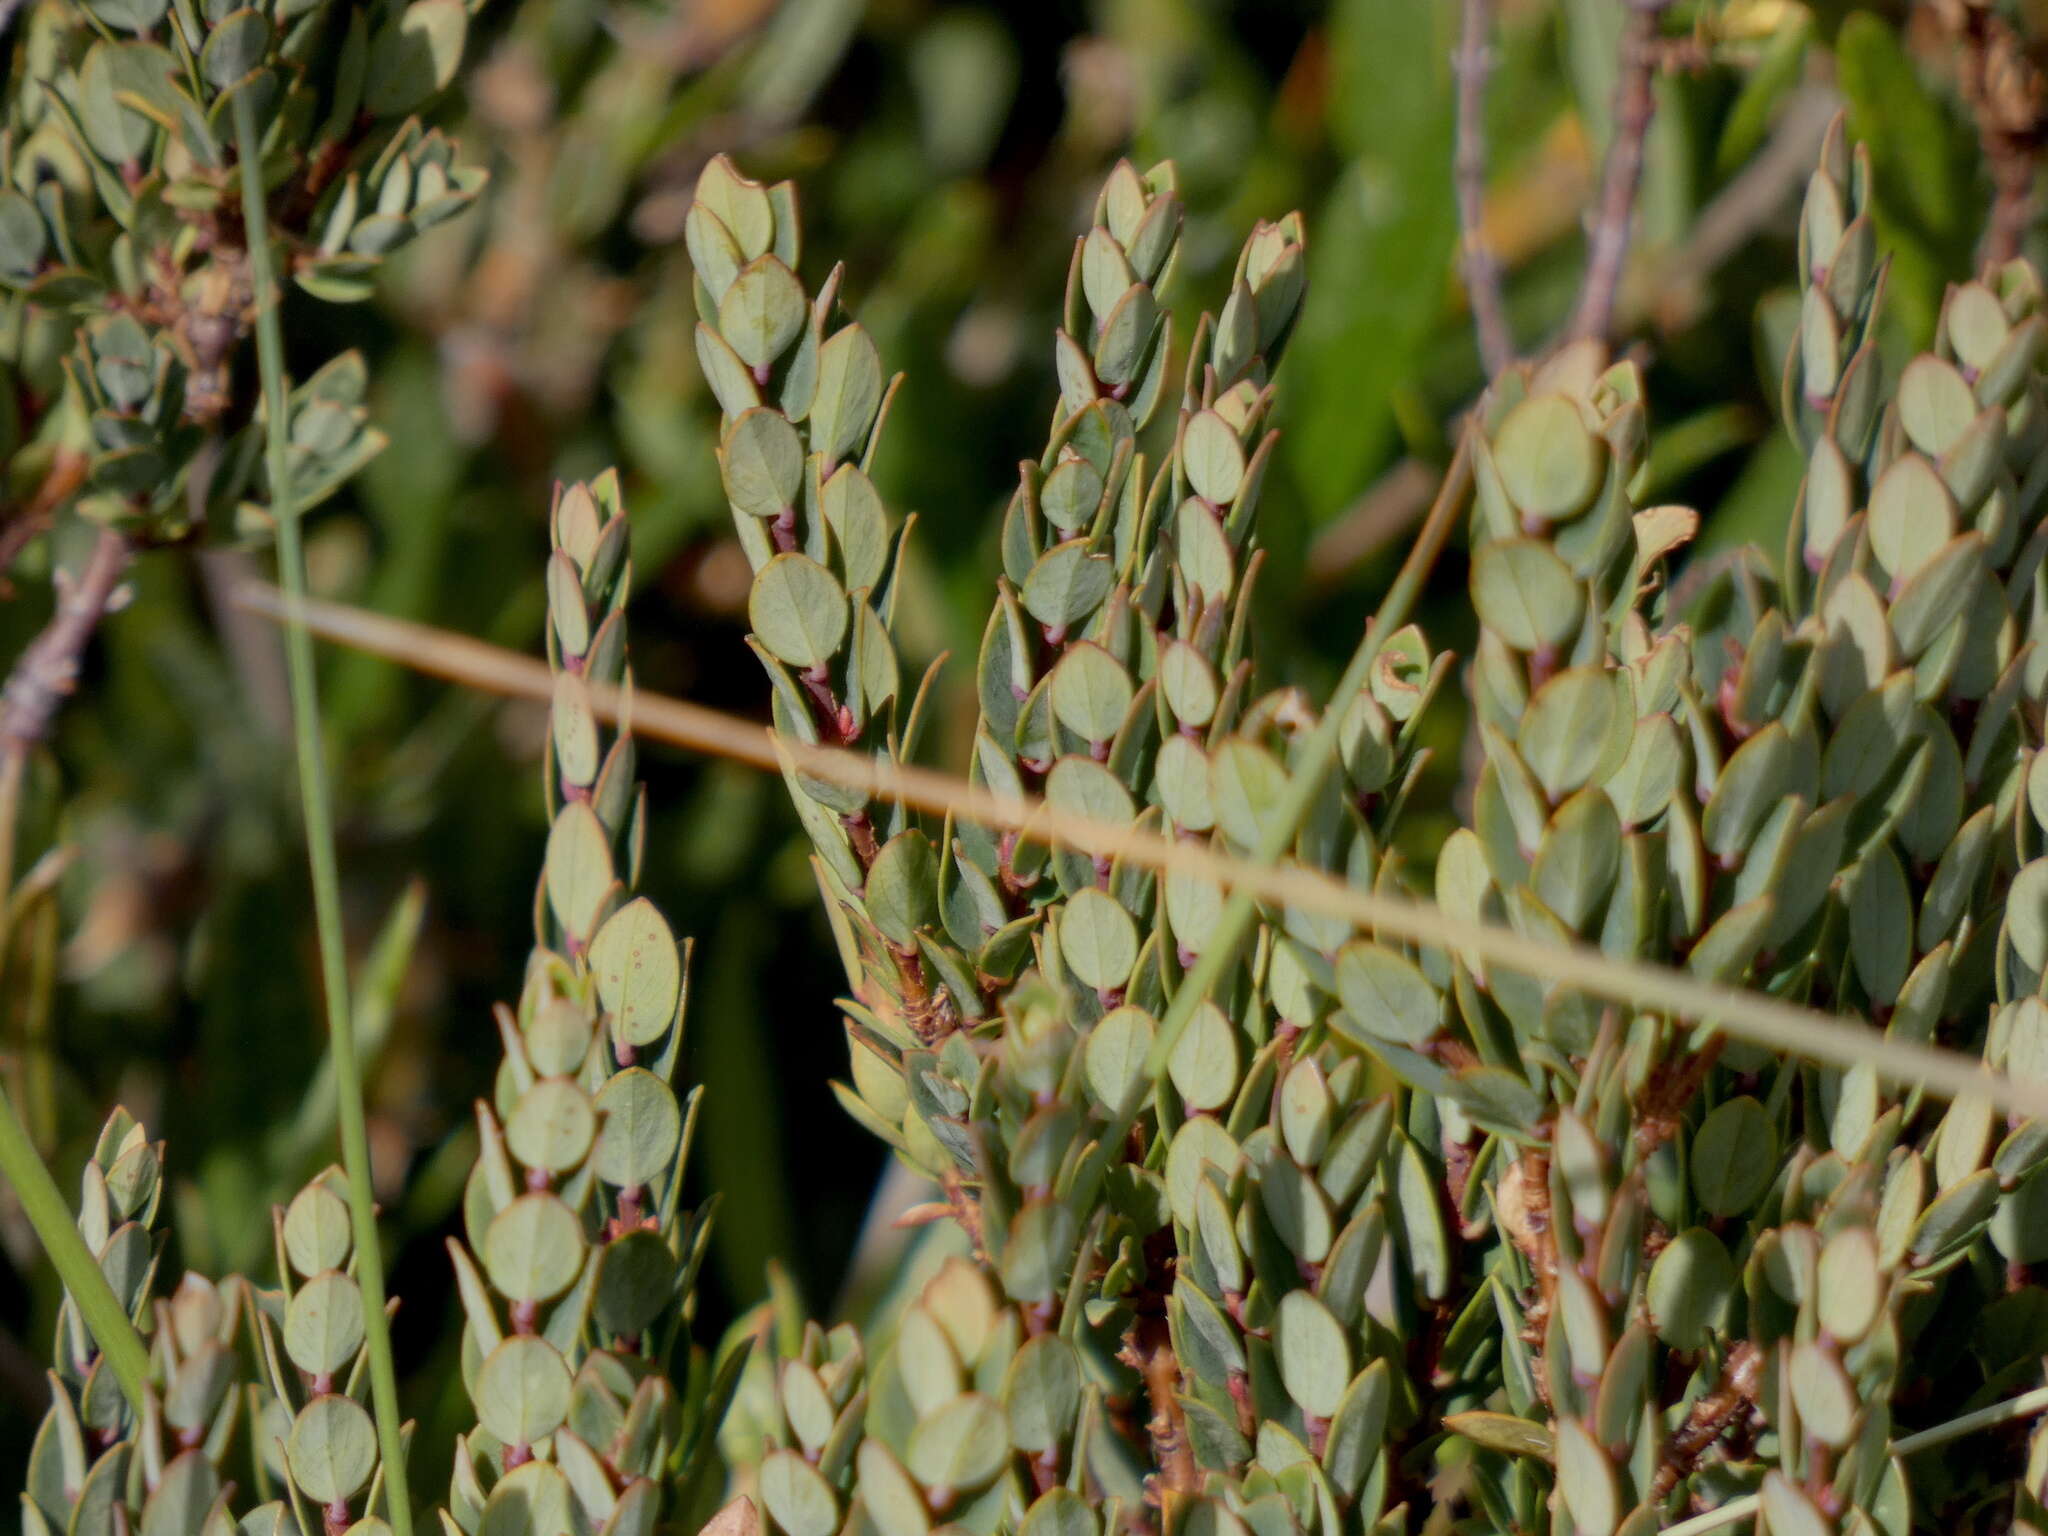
(948, 152)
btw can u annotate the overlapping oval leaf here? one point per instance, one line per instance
(323, 1325)
(960, 1446)
(1386, 995)
(332, 1450)
(1213, 458)
(552, 1126)
(848, 394)
(1118, 1048)
(639, 972)
(1098, 939)
(1935, 405)
(1071, 494)
(1525, 594)
(522, 1390)
(533, 1249)
(641, 1126)
(1090, 692)
(1691, 1284)
(636, 1281)
(1912, 516)
(1204, 1062)
(1247, 785)
(762, 463)
(317, 1232)
(798, 1499)
(798, 610)
(1042, 1393)
(1734, 1157)
(1587, 1479)
(901, 888)
(1067, 584)
(762, 311)
(1549, 463)
(1314, 1354)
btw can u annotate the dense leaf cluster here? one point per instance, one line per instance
(124, 271)
(1387, 1229)
(593, 1413)
(1358, 1236)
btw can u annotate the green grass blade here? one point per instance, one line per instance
(374, 1003)
(318, 813)
(57, 1229)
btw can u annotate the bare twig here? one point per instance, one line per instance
(1671, 293)
(1635, 103)
(46, 672)
(1149, 1350)
(1753, 1016)
(1710, 1417)
(2026, 1406)
(1472, 62)
(44, 675)
(2009, 100)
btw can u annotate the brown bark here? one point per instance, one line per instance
(2009, 100)
(1710, 1417)
(1635, 103)
(1471, 64)
(1150, 1347)
(47, 671)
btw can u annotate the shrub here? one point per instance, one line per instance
(1279, 1224)
(1658, 1150)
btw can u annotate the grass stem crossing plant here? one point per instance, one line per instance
(317, 809)
(1765, 1021)
(1639, 1124)
(102, 1312)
